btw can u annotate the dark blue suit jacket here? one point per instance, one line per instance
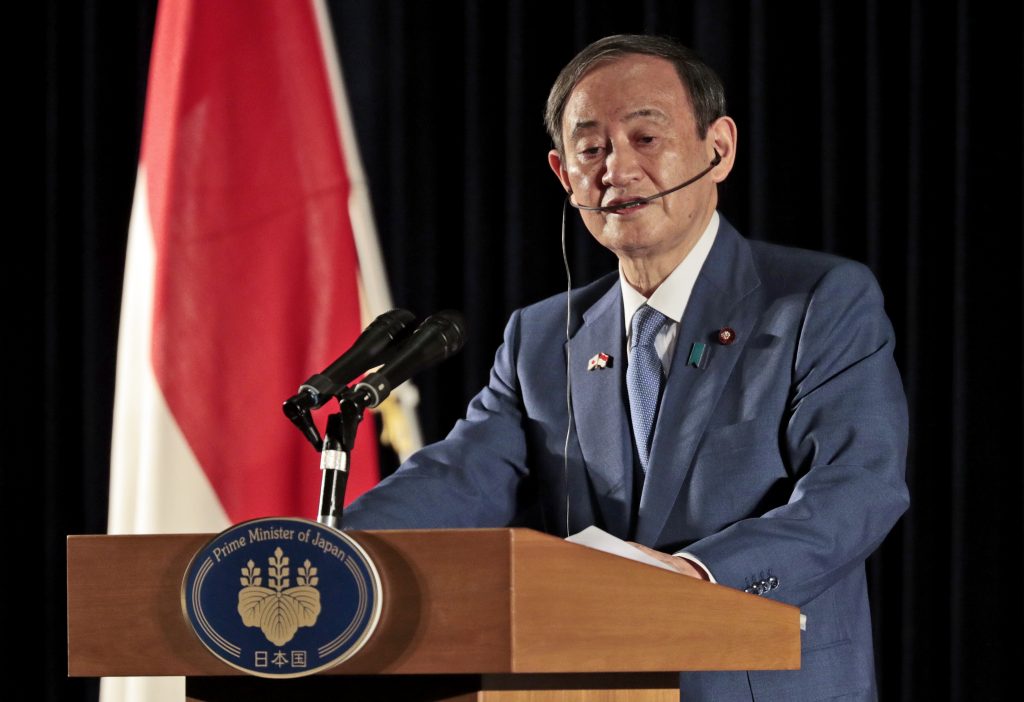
(780, 460)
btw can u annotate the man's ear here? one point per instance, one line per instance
(558, 167)
(722, 137)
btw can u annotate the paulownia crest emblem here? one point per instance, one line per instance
(279, 610)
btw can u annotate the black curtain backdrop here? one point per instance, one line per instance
(887, 132)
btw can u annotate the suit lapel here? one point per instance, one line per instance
(599, 409)
(721, 297)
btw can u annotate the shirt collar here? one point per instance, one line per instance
(671, 297)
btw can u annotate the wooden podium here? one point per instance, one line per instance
(477, 614)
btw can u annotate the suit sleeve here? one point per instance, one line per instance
(844, 438)
(469, 479)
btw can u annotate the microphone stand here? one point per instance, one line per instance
(437, 338)
(339, 439)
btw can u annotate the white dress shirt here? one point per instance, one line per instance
(672, 296)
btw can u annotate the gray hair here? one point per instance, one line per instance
(702, 84)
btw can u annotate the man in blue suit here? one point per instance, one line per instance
(735, 407)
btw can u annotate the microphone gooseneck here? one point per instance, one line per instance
(644, 200)
(376, 345)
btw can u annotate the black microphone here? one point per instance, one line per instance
(644, 200)
(438, 337)
(374, 346)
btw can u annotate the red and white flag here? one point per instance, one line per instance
(249, 248)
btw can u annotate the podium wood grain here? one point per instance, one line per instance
(490, 603)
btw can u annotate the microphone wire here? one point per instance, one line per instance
(568, 304)
(568, 364)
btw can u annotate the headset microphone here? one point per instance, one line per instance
(644, 200)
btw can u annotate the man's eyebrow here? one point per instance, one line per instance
(643, 113)
(582, 126)
(649, 112)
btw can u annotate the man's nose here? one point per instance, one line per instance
(622, 167)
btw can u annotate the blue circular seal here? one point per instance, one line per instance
(282, 597)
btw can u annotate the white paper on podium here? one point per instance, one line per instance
(599, 539)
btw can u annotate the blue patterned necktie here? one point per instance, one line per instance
(644, 377)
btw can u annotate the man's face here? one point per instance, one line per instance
(628, 132)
